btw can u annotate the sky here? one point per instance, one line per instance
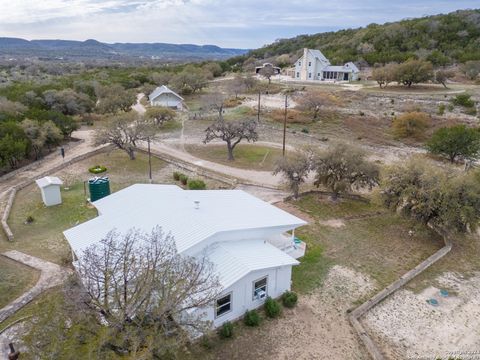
(229, 23)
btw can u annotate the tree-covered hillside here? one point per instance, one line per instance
(441, 39)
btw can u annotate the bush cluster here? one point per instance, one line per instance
(252, 318)
(226, 331)
(463, 100)
(272, 308)
(196, 184)
(289, 299)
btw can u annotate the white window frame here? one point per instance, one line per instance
(254, 288)
(217, 307)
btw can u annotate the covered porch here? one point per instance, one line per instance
(289, 244)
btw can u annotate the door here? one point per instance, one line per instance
(345, 77)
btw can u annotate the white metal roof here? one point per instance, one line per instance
(162, 90)
(319, 55)
(144, 206)
(48, 180)
(235, 259)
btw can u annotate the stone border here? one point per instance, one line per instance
(14, 189)
(356, 314)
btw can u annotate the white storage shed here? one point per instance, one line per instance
(50, 188)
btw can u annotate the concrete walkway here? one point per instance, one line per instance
(51, 275)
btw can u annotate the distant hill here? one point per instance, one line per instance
(442, 39)
(93, 49)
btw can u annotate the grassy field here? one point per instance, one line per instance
(253, 157)
(372, 241)
(15, 278)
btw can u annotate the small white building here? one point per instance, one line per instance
(163, 96)
(50, 189)
(245, 238)
(313, 65)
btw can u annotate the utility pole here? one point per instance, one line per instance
(149, 161)
(285, 124)
(258, 110)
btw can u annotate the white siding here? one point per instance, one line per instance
(278, 282)
(167, 100)
(51, 195)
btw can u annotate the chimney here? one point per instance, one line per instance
(196, 204)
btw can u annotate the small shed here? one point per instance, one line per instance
(50, 188)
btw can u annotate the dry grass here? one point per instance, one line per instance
(15, 278)
(253, 157)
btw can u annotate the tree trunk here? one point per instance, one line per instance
(230, 152)
(131, 153)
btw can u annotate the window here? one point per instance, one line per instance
(318, 75)
(260, 289)
(299, 63)
(298, 74)
(309, 75)
(309, 63)
(224, 305)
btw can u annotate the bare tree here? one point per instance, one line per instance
(232, 132)
(295, 171)
(312, 101)
(125, 131)
(267, 72)
(138, 277)
(342, 168)
(237, 85)
(214, 102)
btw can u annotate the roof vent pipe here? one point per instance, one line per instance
(197, 204)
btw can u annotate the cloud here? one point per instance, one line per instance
(231, 23)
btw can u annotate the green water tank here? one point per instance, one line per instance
(99, 187)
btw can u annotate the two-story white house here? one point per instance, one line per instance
(313, 65)
(250, 242)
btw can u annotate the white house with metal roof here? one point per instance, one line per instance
(163, 96)
(313, 65)
(250, 242)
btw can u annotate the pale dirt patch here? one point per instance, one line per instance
(274, 101)
(405, 325)
(334, 223)
(319, 327)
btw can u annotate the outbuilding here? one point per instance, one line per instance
(50, 189)
(163, 96)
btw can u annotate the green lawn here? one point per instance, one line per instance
(43, 237)
(247, 156)
(373, 241)
(15, 278)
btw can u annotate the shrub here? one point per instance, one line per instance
(463, 100)
(441, 109)
(176, 175)
(251, 318)
(196, 184)
(226, 331)
(29, 219)
(289, 299)
(305, 130)
(412, 124)
(97, 169)
(455, 142)
(272, 308)
(183, 179)
(471, 111)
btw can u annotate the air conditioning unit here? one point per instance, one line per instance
(260, 294)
